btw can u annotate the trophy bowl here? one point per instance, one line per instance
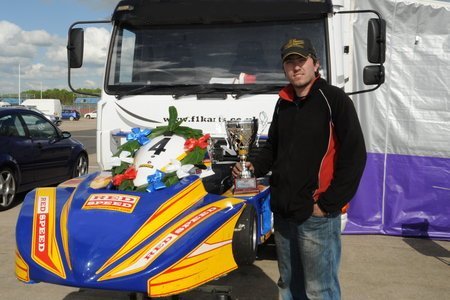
(241, 135)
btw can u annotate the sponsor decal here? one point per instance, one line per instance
(45, 249)
(142, 259)
(173, 207)
(41, 222)
(172, 236)
(117, 202)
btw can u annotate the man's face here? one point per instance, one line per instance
(300, 71)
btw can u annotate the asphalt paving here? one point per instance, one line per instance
(373, 266)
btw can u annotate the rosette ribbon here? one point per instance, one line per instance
(155, 181)
(139, 135)
(202, 142)
(130, 173)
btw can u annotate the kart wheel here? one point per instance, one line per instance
(7, 188)
(245, 237)
(81, 166)
(143, 296)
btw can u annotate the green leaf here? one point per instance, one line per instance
(194, 157)
(170, 179)
(120, 169)
(130, 146)
(158, 131)
(173, 115)
(126, 185)
(188, 132)
(142, 188)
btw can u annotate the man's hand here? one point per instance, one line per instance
(317, 212)
(238, 168)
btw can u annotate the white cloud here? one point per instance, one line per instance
(90, 84)
(43, 58)
(96, 45)
(100, 4)
(39, 38)
(24, 48)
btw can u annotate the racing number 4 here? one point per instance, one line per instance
(159, 146)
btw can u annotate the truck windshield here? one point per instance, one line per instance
(236, 57)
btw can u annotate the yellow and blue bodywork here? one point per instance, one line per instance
(160, 243)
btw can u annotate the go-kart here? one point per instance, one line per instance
(161, 243)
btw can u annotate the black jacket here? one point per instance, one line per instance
(315, 150)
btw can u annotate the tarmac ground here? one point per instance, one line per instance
(372, 267)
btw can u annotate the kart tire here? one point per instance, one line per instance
(245, 237)
(8, 188)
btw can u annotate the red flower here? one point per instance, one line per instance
(130, 173)
(202, 142)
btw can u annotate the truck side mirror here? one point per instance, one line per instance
(75, 47)
(376, 41)
(373, 75)
(376, 51)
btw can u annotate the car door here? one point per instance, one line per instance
(52, 153)
(16, 148)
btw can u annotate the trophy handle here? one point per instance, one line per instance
(264, 121)
(224, 125)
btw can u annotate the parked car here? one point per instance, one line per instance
(70, 114)
(91, 115)
(52, 118)
(34, 153)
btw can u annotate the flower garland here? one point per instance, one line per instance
(124, 172)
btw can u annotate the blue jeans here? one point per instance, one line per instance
(308, 257)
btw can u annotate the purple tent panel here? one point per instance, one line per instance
(416, 200)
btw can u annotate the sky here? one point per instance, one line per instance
(33, 38)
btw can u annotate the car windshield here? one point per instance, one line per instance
(238, 57)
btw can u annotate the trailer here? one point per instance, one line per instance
(206, 62)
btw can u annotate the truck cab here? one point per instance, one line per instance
(214, 61)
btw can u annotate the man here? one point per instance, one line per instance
(317, 155)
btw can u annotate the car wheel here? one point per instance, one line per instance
(7, 188)
(245, 237)
(81, 166)
(71, 118)
(88, 117)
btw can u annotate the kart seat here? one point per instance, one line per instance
(221, 181)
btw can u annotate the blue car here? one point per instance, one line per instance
(34, 152)
(70, 114)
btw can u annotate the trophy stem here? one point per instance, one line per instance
(245, 173)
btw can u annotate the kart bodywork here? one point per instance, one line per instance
(160, 243)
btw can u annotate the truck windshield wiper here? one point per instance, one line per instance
(256, 90)
(141, 89)
(186, 90)
(201, 90)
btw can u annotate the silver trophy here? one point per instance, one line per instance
(241, 136)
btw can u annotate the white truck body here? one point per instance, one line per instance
(47, 106)
(187, 57)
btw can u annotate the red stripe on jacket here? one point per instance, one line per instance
(326, 170)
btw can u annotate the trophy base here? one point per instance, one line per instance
(245, 186)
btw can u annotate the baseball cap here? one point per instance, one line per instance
(302, 47)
